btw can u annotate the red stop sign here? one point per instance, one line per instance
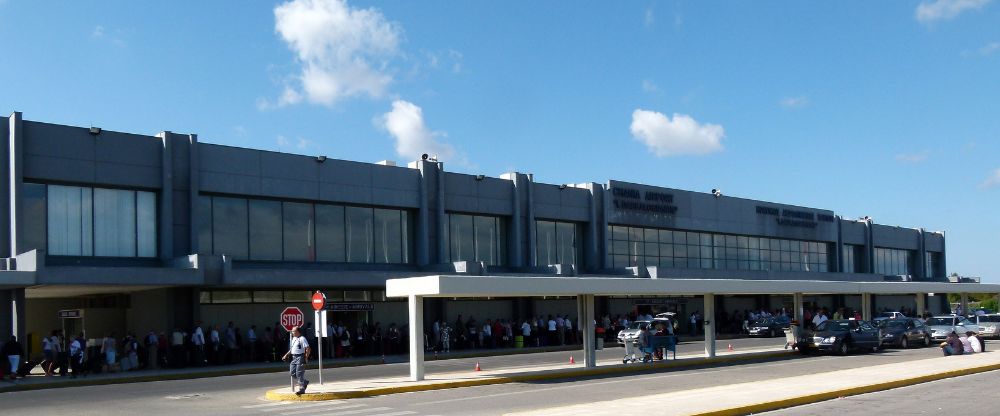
(292, 317)
(318, 300)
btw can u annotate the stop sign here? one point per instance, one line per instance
(318, 300)
(292, 317)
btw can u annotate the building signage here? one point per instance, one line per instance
(649, 201)
(70, 313)
(794, 218)
(351, 307)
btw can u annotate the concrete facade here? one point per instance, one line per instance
(182, 170)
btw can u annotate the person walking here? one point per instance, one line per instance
(76, 356)
(13, 351)
(297, 357)
(198, 341)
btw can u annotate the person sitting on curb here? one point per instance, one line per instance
(977, 346)
(952, 346)
(966, 345)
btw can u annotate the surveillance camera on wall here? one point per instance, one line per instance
(424, 156)
(717, 192)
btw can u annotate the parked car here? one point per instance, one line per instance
(891, 315)
(632, 331)
(941, 326)
(769, 327)
(841, 336)
(904, 332)
(989, 325)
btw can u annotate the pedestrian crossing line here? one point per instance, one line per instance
(297, 405)
(359, 411)
(257, 406)
(316, 409)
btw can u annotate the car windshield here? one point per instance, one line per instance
(945, 321)
(637, 324)
(834, 326)
(888, 314)
(989, 318)
(892, 324)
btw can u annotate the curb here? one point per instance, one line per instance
(278, 395)
(853, 391)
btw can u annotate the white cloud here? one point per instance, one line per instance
(343, 51)
(649, 18)
(681, 135)
(912, 157)
(989, 49)
(285, 143)
(406, 125)
(282, 141)
(794, 102)
(930, 11)
(992, 181)
(101, 34)
(649, 86)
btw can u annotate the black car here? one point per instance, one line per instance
(841, 336)
(769, 327)
(904, 332)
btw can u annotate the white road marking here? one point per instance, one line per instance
(257, 406)
(354, 412)
(404, 412)
(316, 408)
(569, 386)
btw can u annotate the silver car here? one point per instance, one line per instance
(629, 334)
(989, 325)
(941, 326)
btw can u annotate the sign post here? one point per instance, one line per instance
(319, 305)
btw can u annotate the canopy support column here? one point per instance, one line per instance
(797, 309)
(416, 309)
(709, 325)
(587, 327)
(866, 306)
(921, 304)
(965, 303)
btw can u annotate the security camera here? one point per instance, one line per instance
(424, 156)
(321, 158)
(716, 192)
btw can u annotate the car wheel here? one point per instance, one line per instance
(876, 348)
(843, 350)
(904, 343)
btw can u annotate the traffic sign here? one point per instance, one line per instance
(292, 317)
(318, 300)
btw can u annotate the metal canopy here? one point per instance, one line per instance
(511, 286)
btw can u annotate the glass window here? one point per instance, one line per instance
(356, 296)
(265, 230)
(359, 235)
(297, 231)
(267, 296)
(204, 225)
(545, 243)
(145, 222)
(388, 236)
(566, 236)
(296, 296)
(231, 296)
(33, 232)
(114, 223)
(487, 239)
(330, 233)
(461, 238)
(70, 221)
(229, 227)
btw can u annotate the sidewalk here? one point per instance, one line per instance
(771, 394)
(37, 380)
(380, 386)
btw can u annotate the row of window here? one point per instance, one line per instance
(890, 261)
(556, 243)
(476, 238)
(935, 264)
(293, 296)
(854, 256)
(83, 221)
(635, 246)
(257, 229)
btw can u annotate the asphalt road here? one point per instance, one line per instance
(959, 395)
(241, 395)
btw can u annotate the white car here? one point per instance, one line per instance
(941, 326)
(989, 325)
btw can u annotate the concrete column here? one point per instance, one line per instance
(587, 326)
(441, 218)
(797, 309)
(15, 172)
(416, 309)
(12, 314)
(921, 304)
(965, 303)
(709, 325)
(194, 184)
(866, 306)
(166, 200)
(423, 218)
(530, 219)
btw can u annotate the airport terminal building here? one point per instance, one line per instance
(142, 232)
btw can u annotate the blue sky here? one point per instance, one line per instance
(886, 109)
